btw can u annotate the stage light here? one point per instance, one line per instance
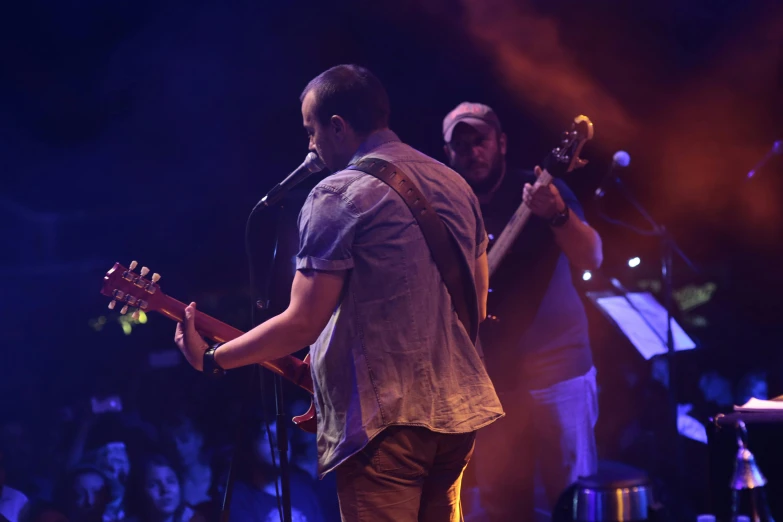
(634, 262)
(587, 275)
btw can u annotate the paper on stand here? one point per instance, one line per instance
(755, 404)
(647, 341)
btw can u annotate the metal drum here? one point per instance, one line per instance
(616, 493)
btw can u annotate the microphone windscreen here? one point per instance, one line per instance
(621, 158)
(314, 163)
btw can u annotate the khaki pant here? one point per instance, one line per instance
(405, 474)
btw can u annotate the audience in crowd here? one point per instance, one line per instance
(84, 494)
(169, 461)
(154, 493)
(156, 462)
(187, 443)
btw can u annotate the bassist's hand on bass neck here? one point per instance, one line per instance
(544, 200)
(563, 158)
(578, 240)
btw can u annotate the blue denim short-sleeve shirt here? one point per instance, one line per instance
(394, 351)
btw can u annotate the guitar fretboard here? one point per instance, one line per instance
(289, 366)
(511, 232)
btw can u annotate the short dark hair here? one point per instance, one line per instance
(352, 92)
(136, 500)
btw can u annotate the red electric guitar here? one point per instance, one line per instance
(134, 290)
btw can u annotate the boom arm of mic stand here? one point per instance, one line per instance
(658, 230)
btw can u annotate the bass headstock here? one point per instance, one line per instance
(565, 157)
(132, 290)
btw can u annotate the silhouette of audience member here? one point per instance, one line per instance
(752, 385)
(105, 448)
(12, 501)
(220, 464)
(254, 498)
(42, 512)
(112, 459)
(716, 390)
(154, 493)
(84, 494)
(187, 441)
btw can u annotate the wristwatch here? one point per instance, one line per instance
(561, 218)
(211, 367)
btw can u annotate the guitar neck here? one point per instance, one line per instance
(293, 369)
(513, 228)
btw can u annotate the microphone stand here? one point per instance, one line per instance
(668, 247)
(262, 303)
(281, 424)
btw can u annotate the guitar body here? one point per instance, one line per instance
(308, 421)
(129, 289)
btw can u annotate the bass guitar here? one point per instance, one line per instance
(562, 159)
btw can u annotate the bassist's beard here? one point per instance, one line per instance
(489, 184)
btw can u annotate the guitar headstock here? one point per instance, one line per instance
(132, 290)
(565, 157)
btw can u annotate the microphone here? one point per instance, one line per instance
(620, 159)
(618, 285)
(777, 148)
(310, 165)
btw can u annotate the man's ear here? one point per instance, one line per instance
(339, 125)
(502, 143)
(447, 152)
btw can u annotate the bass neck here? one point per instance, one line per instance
(513, 228)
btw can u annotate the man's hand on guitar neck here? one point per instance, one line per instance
(315, 295)
(578, 240)
(188, 340)
(543, 200)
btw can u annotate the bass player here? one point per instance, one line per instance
(537, 349)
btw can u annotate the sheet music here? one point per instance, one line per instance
(755, 404)
(648, 342)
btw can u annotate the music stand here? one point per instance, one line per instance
(641, 319)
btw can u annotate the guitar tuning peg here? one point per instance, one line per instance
(112, 304)
(133, 265)
(155, 277)
(124, 310)
(144, 271)
(135, 315)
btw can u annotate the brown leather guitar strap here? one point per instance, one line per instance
(446, 253)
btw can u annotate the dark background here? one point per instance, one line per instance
(148, 129)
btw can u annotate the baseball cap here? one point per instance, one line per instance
(475, 114)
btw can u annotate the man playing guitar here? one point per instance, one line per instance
(537, 351)
(399, 387)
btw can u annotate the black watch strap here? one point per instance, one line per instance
(211, 367)
(561, 218)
